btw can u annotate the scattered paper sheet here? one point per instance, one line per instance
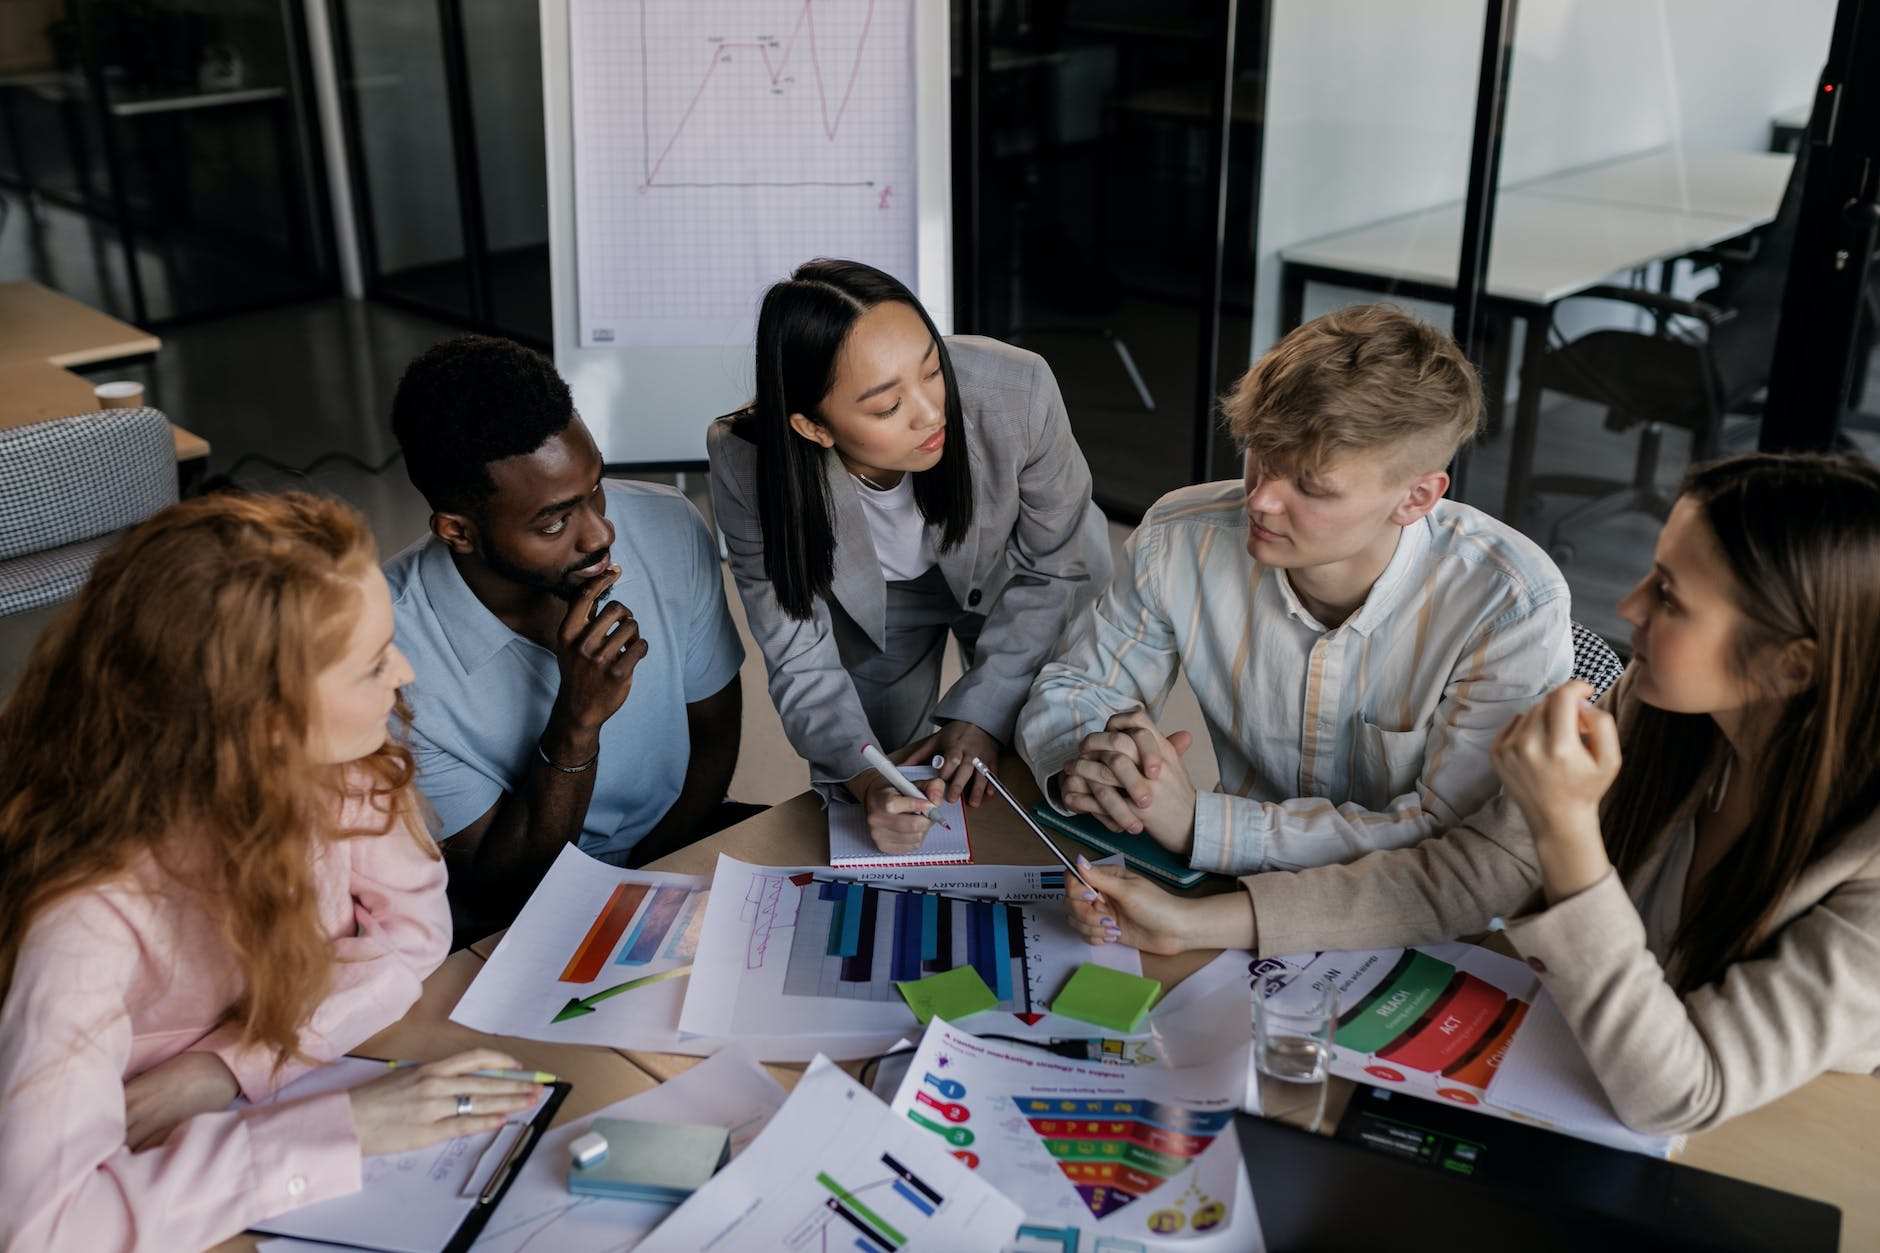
(1101, 1156)
(1442, 1021)
(1545, 1077)
(813, 954)
(540, 1215)
(597, 956)
(835, 1169)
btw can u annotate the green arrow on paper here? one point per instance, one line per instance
(587, 1004)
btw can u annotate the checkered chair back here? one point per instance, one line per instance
(67, 487)
(1594, 661)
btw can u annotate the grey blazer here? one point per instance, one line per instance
(1038, 554)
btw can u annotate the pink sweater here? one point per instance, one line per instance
(118, 978)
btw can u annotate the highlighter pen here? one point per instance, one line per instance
(514, 1076)
(898, 781)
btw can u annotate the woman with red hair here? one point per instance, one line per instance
(215, 880)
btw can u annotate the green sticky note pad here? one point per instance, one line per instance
(951, 995)
(1106, 997)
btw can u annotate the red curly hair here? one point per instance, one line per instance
(165, 713)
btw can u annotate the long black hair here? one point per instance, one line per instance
(800, 329)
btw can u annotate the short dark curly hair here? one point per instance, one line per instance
(468, 401)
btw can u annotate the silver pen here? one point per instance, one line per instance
(1036, 830)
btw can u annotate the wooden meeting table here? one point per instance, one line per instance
(1820, 1141)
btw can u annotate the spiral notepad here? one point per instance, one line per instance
(850, 845)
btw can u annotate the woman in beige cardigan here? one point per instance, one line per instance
(1707, 915)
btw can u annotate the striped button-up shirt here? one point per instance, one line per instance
(1331, 742)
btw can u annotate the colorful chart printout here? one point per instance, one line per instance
(1101, 1156)
(816, 953)
(836, 1170)
(1437, 1021)
(599, 955)
(1117, 1151)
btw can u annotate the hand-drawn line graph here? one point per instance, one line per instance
(719, 145)
(723, 51)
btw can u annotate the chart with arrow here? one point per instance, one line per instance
(719, 145)
(599, 955)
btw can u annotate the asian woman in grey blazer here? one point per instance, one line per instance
(886, 487)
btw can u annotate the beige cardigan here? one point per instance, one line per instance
(1810, 1002)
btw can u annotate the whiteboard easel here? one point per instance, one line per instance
(649, 406)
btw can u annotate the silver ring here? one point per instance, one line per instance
(463, 1105)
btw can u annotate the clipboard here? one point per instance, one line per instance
(334, 1222)
(472, 1227)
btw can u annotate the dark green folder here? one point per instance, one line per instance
(1139, 851)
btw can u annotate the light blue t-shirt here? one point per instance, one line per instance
(483, 693)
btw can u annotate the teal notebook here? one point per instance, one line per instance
(652, 1161)
(1139, 851)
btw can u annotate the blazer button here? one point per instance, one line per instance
(973, 597)
(1538, 966)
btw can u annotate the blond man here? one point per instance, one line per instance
(1355, 640)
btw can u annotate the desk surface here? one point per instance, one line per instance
(42, 332)
(38, 324)
(1736, 185)
(1545, 248)
(1820, 1141)
(35, 390)
(1562, 234)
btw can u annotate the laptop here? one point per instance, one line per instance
(1408, 1174)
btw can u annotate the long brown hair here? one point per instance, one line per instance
(1801, 536)
(165, 713)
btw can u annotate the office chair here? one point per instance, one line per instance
(1594, 661)
(1702, 359)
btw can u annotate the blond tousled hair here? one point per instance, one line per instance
(1360, 378)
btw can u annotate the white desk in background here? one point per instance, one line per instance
(1729, 184)
(1553, 238)
(1545, 248)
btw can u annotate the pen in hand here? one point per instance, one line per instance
(899, 782)
(514, 1076)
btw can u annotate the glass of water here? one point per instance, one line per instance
(1292, 1049)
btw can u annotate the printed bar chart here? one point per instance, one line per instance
(668, 916)
(855, 941)
(643, 944)
(608, 926)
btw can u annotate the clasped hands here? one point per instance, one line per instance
(1130, 777)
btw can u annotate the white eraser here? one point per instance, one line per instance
(588, 1149)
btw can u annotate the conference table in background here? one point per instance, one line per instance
(1553, 238)
(44, 337)
(1820, 1141)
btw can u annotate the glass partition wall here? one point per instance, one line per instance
(1150, 195)
(1644, 236)
(443, 103)
(163, 153)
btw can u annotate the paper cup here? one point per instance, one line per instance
(120, 395)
